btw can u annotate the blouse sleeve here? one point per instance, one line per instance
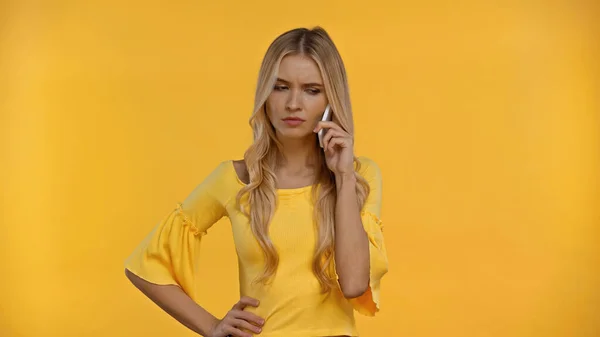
(168, 254)
(368, 303)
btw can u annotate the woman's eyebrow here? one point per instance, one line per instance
(312, 84)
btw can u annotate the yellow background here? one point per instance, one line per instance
(483, 117)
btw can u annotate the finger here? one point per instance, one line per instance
(250, 301)
(234, 332)
(333, 133)
(328, 125)
(248, 316)
(325, 139)
(240, 323)
(330, 133)
(246, 301)
(342, 142)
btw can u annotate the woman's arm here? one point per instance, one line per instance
(351, 241)
(174, 301)
(352, 260)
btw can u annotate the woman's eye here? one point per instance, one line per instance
(314, 91)
(280, 87)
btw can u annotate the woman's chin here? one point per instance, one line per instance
(296, 136)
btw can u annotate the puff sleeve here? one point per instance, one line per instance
(368, 303)
(168, 254)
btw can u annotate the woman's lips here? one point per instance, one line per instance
(293, 121)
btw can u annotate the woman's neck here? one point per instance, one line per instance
(298, 156)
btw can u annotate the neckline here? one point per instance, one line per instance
(278, 190)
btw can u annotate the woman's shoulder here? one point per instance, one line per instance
(235, 170)
(222, 175)
(241, 170)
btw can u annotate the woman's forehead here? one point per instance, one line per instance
(299, 68)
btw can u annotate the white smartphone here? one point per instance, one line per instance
(327, 116)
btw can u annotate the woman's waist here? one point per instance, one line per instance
(299, 279)
(300, 309)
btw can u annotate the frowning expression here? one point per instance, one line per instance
(298, 98)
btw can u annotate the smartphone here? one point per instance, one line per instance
(327, 116)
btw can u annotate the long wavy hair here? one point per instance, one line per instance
(258, 199)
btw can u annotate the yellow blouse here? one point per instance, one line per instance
(291, 304)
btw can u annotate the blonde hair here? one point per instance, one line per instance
(261, 157)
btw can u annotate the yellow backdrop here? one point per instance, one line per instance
(484, 119)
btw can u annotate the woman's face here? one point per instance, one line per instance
(298, 99)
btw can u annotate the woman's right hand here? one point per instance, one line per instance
(237, 319)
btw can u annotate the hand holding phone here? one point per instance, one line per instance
(327, 116)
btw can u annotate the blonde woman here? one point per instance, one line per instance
(305, 217)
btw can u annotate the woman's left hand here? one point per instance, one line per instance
(339, 148)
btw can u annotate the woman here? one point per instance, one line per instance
(305, 218)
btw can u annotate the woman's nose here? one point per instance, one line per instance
(293, 101)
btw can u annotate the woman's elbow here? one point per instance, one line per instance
(354, 289)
